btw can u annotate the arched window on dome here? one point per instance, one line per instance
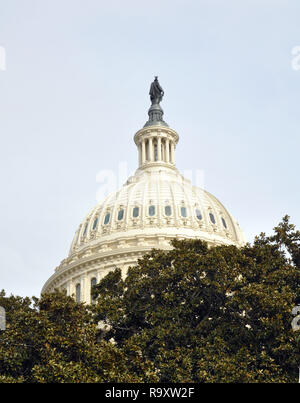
(93, 283)
(168, 211)
(120, 215)
(183, 212)
(151, 211)
(212, 218)
(85, 229)
(78, 292)
(224, 223)
(95, 223)
(107, 218)
(136, 212)
(198, 214)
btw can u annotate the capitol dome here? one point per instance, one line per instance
(153, 207)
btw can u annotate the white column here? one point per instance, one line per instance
(173, 153)
(82, 289)
(158, 149)
(143, 152)
(150, 149)
(167, 150)
(69, 288)
(72, 288)
(87, 292)
(140, 154)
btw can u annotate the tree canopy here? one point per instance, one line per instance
(54, 340)
(191, 314)
(219, 314)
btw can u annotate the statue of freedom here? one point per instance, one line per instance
(156, 92)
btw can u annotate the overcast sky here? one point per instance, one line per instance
(75, 90)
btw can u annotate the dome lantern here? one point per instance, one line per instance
(156, 146)
(156, 142)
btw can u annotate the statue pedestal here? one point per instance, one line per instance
(156, 116)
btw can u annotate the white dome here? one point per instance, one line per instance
(155, 206)
(149, 195)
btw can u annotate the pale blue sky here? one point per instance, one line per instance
(75, 91)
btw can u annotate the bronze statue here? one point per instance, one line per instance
(155, 111)
(156, 92)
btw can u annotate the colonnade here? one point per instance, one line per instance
(156, 149)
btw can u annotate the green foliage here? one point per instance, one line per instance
(219, 314)
(54, 340)
(191, 314)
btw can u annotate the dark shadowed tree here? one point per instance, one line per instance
(219, 314)
(192, 314)
(53, 340)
